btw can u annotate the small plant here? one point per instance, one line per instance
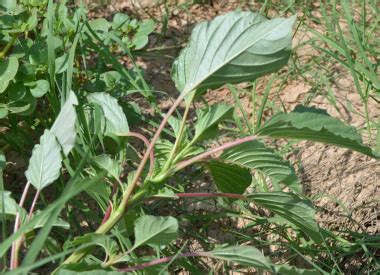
(86, 143)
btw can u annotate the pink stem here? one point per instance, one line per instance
(108, 212)
(164, 260)
(16, 244)
(33, 204)
(207, 154)
(151, 153)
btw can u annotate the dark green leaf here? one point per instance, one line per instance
(154, 231)
(309, 123)
(299, 212)
(230, 178)
(255, 155)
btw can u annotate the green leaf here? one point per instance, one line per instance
(42, 87)
(285, 269)
(110, 165)
(299, 212)
(3, 110)
(309, 123)
(232, 48)
(9, 207)
(243, 255)
(255, 155)
(116, 120)
(8, 70)
(230, 178)
(45, 163)
(154, 231)
(209, 118)
(64, 125)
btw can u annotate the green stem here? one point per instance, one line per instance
(122, 207)
(180, 134)
(8, 46)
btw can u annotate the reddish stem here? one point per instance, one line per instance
(164, 260)
(31, 210)
(207, 154)
(108, 212)
(16, 244)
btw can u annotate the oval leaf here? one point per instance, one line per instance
(8, 70)
(153, 230)
(41, 88)
(232, 48)
(116, 121)
(45, 163)
(64, 125)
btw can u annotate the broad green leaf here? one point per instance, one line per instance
(154, 231)
(285, 269)
(116, 121)
(41, 88)
(243, 255)
(109, 245)
(8, 70)
(255, 155)
(299, 212)
(3, 110)
(64, 125)
(232, 48)
(309, 123)
(230, 178)
(108, 164)
(208, 120)
(45, 163)
(9, 207)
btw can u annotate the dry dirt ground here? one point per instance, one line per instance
(345, 185)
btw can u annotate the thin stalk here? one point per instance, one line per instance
(10, 43)
(264, 102)
(180, 134)
(209, 153)
(164, 260)
(120, 210)
(17, 243)
(31, 210)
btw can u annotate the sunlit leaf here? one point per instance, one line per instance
(309, 123)
(45, 163)
(64, 125)
(233, 48)
(116, 121)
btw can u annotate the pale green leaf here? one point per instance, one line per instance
(154, 231)
(64, 125)
(233, 48)
(208, 120)
(243, 255)
(8, 70)
(285, 269)
(41, 88)
(309, 123)
(299, 212)
(230, 178)
(45, 163)
(108, 164)
(255, 155)
(116, 121)
(9, 207)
